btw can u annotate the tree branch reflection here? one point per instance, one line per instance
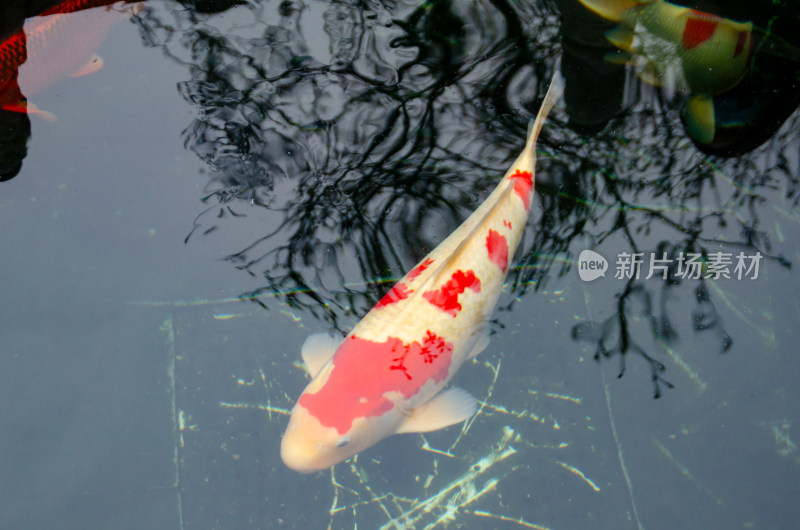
(365, 132)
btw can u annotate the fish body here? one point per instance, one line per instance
(388, 374)
(681, 49)
(56, 44)
(712, 53)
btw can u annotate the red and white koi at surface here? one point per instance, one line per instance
(387, 376)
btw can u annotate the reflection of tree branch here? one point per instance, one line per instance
(366, 160)
(626, 342)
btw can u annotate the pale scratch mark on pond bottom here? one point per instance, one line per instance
(620, 455)
(575, 471)
(520, 522)
(267, 408)
(685, 470)
(458, 493)
(683, 365)
(444, 506)
(786, 447)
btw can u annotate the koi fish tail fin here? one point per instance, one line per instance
(550, 99)
(612, 9)
(485, 214)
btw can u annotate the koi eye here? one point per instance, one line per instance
(344, 440)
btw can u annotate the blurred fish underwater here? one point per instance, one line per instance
(59, 43)
(727, 69)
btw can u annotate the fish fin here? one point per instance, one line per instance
(45, 115)
(452, 406)
(477, 222)
(317, 349)
(26, 107)
(551, 97)
(483, 342)
(612, 9)
(94, 64)
(651, 75)
(619, 57)
(698, 115)
(621, 37)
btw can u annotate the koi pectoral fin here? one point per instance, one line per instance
(94, 64)
(621, 37)
(317, 349)
(483, 342)
(447, 408)
(619, 57)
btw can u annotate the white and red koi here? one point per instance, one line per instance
(387, 375)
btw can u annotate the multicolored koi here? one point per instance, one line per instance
(681, 49)
(56, 44)
(387, 376)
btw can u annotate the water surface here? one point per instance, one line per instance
(236, 177)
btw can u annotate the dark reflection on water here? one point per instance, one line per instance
(387, 140)
(375, 134)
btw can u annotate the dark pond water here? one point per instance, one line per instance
(238, 175)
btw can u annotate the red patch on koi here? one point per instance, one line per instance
(497, 246)
(446, 297)
(359, 379)
(523, 186)
(395, 294)
(699, 28)
(740, 42)
(507, 224)
(419, 269)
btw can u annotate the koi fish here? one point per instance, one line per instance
(681, 48)
(387, 376)
(58, 43)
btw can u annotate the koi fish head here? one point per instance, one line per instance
(352, 401)
(309, 446)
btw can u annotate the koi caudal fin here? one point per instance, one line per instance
(552, 96)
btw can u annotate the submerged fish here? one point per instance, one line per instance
(387, 376)
(56, 44)
(682, 49)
